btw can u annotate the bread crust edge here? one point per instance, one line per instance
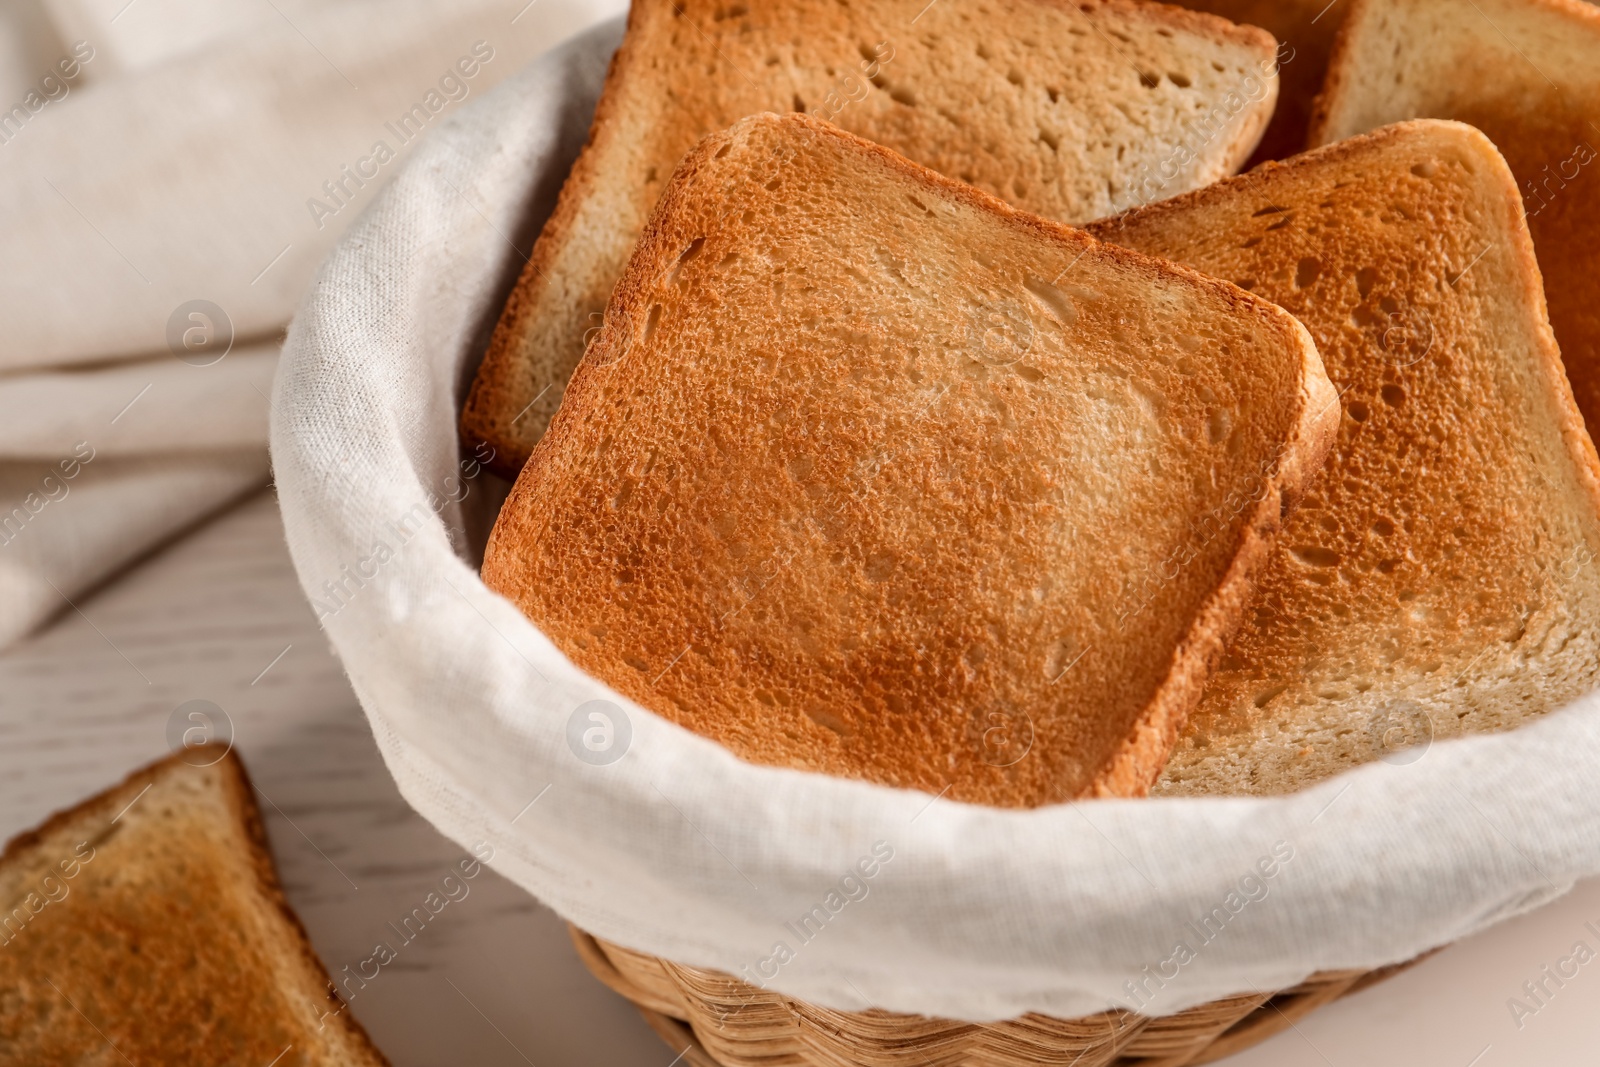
(483, 414)
(1139, 761)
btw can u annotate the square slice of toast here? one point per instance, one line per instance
(1439, 577)
(870, 474)
(1525, 72)
(146, 925)
(1068, 110)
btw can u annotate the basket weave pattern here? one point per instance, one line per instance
(716, 1020)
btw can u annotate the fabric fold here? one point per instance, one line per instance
(67, 525)
(152, 406)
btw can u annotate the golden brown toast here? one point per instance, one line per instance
(1305, 30)
(1525, 72)
(870, 474)
(1439, 577)
(146, 925)
(1068, 110)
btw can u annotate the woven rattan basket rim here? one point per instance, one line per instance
(713, 1019)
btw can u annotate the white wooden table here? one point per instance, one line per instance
(218, 616)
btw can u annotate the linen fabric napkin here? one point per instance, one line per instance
(172, 172)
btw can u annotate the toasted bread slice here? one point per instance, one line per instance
(1439, 577)
(1305, 30)
(1069, 110)
(1525, 72)
(869, 474)
(146, 925)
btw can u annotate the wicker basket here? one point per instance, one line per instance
(715, 1020)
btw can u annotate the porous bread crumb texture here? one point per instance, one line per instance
(868, 474)
(1404, 59)
(1439, 577)
(169, 940)
(1068, 110)
(1305, 30)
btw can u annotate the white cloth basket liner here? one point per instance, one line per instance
(681, 850)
